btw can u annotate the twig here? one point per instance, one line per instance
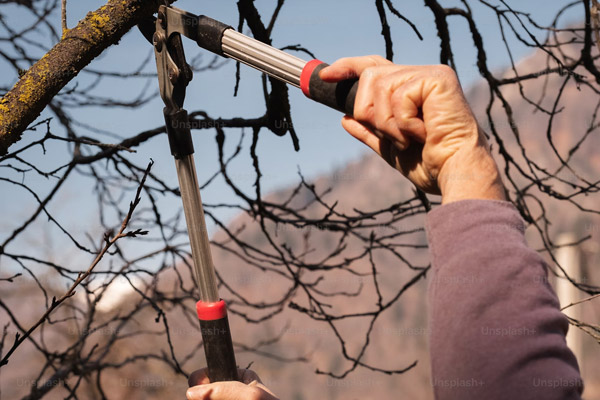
(63, 16)
(108, 243)
(580, 301)
(10, 278)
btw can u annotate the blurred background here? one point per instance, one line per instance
(319, 245)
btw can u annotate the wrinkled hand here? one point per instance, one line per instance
(417, 119)
(250, 387)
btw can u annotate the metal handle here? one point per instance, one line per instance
(212, 312)
(261, 56)
(223, 40)
(196, 225)
(290, 69)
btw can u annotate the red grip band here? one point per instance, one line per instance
(211, 311)
(306, 74)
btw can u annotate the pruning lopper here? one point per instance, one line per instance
(174, 74)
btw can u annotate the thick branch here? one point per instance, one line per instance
(78, 47)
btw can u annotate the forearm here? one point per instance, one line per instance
(497, 331)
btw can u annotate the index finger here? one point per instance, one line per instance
(351, 67)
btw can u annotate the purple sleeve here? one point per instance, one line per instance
(496, 328)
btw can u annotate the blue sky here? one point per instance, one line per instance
(330, 29)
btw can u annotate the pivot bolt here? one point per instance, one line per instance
(158, 40)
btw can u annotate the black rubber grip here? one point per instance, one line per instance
(338, 95)
(209, 34)
(218, 349)
(178, 131)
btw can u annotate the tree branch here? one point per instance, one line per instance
(79, 46)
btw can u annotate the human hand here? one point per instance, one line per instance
(417, 119)
(250, 387)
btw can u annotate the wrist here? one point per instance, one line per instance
(471, 173)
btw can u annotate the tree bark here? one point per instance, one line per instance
(78, 47)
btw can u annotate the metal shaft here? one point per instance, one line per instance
(271, 61)
(194, 216)
(263, 57)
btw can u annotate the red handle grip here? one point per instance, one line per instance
(337, 95)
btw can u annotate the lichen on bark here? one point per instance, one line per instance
(21, 105)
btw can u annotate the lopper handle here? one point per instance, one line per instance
(221, 39)
(338, 95)
(216, 336)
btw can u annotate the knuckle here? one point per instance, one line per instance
(376, 59)
(381, 124)
(369, 72)
(445, 72)
(384, 85)
(362, 114)
(374, 77)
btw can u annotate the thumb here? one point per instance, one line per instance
(228, 391)
(218, 391)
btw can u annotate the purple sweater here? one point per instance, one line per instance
(496, 328)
